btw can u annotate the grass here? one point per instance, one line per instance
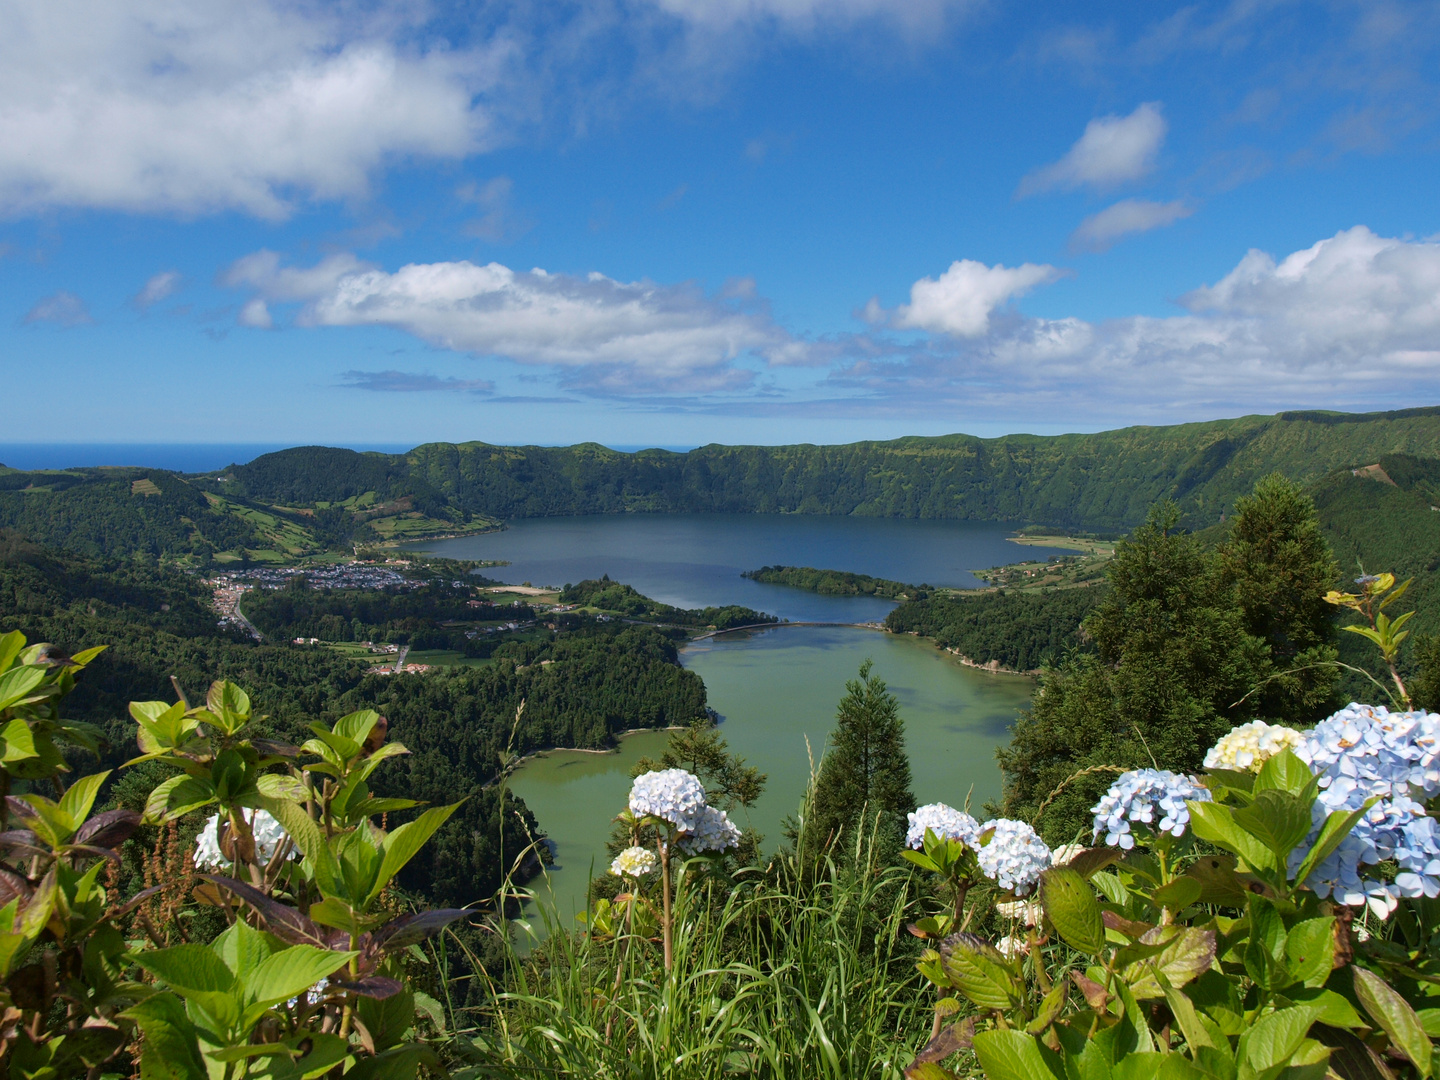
(778, 974)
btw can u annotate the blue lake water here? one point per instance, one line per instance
(695, 560)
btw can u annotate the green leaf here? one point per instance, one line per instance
(1013, 1055)
(356, 726)
(1186, 954)
(1278, 819)
(187, 968)
(978, 971)
(311, 841)
(286, 973)
(18, 742)
(1183, 1009)
(18, 683)
(404, 843)
(1265, 947)
(1050, 1008)
(171, 1050)
(921, 860)
(388, 1019)
(1310, 950)
(1393, 1013)
(1155, 1064)
(1178, 895)
(1071, 906)
(10, 646)
(1275, 1038)
(1284, 772)
(230, 704)
(1216, 823)
(1219, 882)
(242, 948)
(1430, 1021)
(80, 797)
(401, 1063)
(176, 797)
(1339, 1013)
(1337, 826)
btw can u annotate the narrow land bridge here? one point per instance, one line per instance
(776, 625)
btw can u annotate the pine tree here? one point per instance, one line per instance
(865, 773)
(1280, 566)
(1172, 660)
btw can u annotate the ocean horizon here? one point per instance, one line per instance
(186, 457)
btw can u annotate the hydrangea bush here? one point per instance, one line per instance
(1210, 934)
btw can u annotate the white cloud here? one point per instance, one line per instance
(256, 315)
(194, 106)
(62, 308)
(809, 15)
(1353, 320)
(1099, 231)
(598, 333)
(1114, 150)
(160, 287)
(962, 299)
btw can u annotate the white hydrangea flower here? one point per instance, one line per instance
(1015, 856)
(1062, 855)
(268, 833)
(1249, 746)
(1141, 797)
(944, 821)
(636, 862)
(713, 831)
(1012, 947)
(1027, 911)
(672, 795)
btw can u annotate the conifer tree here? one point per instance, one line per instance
(1280, 566)
(865, 772)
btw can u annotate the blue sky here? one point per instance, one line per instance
(684, 221)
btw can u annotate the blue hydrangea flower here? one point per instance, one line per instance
(1014, 857)
(1364, 752)
(944, 821)
(712, 831)
(1151, 797)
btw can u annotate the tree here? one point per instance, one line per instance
(1280, 566)
(865, 772)
(1173, 662)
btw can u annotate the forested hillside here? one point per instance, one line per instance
(1019, 631)
(1106, 480)
(580, 689)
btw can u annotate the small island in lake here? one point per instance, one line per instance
(837, 582)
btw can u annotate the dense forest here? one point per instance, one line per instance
(836, 582)
(420, 617)
(1019, 631)
(607, 595)
(1101, 481)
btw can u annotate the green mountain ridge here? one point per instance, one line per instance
(308, 500)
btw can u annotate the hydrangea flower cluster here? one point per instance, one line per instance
(1249, 746)
(1015, 856)
(1152, 797)
(636, 862)
(714, 831)
(268, 836)
(1028, 911)
(675, 796)
(672, 795)
(1364, 751)
(944, 821)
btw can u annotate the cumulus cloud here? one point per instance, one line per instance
(412, 382)
(161, 106)
(805, 16)
(1114, 150)
(1099, 232)
(1353, 319)
(960, 301)
(160, 287)
(61, 308)
(598, 333)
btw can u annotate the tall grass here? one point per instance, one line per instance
(778, 973)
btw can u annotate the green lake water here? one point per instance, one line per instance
(773, 689)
